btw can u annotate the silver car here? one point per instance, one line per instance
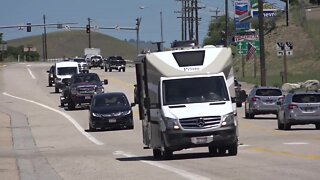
(299, 109)
(263, 100)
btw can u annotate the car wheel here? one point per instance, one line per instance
(233, 149)
(56, 90)
(50, 84)
(222, 150)
(119, 70)
(124, 70)
(317, 126)
(71, 105)
(166, 154)
(156, 153)
(110, 69)
(61, 104)
(280, 125)
(105, 69)
(213, 150)
(91, 128)
(101, 67)
(286, 126)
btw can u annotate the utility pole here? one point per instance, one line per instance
(197, 21)
(45, 52)
(89, 32)
(226, 25)
(261, 39)
(216, 12)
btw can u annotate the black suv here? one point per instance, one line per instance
(115, 62)
(51, 75)
(80, 89)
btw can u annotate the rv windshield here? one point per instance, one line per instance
(194, 90)
(67, 70)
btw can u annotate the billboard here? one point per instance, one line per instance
(241, 12)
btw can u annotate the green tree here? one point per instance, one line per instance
(215, 35)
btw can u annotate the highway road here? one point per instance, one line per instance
(40, 140)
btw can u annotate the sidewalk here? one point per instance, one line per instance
(8, 165)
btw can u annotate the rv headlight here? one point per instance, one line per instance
(172, 123)
(228, 119)
(99, 89)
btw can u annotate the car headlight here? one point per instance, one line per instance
(172, 123)
(73, 90)
(228, 119)
(99, 89)
(96, 115)
(125, 112)
(51, 75)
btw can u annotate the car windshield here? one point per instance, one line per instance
(269, 92)
(306, 98)
(111, 100)
(194, 90)
(67, 70)
(79, 60)
(93, 78)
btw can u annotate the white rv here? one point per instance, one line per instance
(63, 72)
(186, 99)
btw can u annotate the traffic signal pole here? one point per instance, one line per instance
(89, 31)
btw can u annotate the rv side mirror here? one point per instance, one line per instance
(147, 103)
(233, 99)
(48, 71)
(132, 104)
(105, 81)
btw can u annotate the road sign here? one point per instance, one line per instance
(288, 53)
(242, 47)
(280, 46)
(288, 46)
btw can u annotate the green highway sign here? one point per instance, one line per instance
(242, 46)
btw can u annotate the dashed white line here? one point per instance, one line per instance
(74, 122)
(31, 74)
(180, 172)
(296, 143)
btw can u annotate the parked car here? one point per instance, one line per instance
(110, 110)
(299, 109)
(263, 100)
(51, 75)
(115, 62)
(83, 65)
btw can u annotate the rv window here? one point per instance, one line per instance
(189, 58)
(194, 90)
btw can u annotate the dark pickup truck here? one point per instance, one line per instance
(115, 62)
(80, 89)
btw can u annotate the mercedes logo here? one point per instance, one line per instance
(200, 122)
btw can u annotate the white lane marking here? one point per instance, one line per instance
(29, 65)
(31, 74)
(180, 172)
(74, 122)
(295, 143)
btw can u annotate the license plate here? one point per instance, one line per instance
(202, 139)
(87, 97)
(112, 120)
(309, 109)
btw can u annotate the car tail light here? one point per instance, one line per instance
(292, 106)
(254, 99)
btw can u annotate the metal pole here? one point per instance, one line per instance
(243, 62)
(45, 55)
(89, 20)
(197, 21)
(254, 66)
(161, 26)
(261, 39)
(227, 22)
(285, 78)
(287, 12)
(137, 30)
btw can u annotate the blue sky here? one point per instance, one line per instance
(106, 13)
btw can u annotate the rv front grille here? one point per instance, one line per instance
(200, 122)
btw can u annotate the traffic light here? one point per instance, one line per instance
(88, 28)
(28, 27)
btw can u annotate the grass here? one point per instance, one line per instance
(72, 43)
(303, 65)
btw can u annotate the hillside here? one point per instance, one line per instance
(72, 43)
(304, 64)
